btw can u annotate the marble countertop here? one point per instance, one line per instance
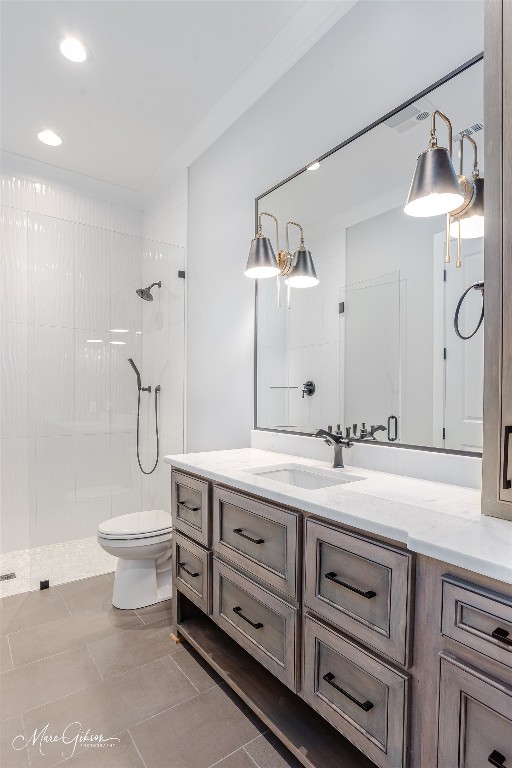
(434, 519)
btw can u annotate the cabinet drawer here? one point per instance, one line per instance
(260, 622)
(190, 507)
(363, 698)
(360, 586)
(192, 571)
(478, 618)
(260, 538)
(475, 718)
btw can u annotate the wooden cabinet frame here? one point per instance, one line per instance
(497, 477)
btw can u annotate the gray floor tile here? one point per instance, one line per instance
(239, 759)
(43, 681)
(87, 594)
(195, 668)
(156, 612)
(268, 752)
(126, 650)
(31, 609)
(111, 706)
(66, 634)
(116, 754)
(198, 732)
(5, 655)
(11, 757)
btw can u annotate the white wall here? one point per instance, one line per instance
(163, 334)
(385, 51)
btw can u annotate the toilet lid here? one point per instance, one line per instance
(137, 524)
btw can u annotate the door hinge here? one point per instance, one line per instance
(444, 275)
(444, 433)
(181, 273)
(341, 307)
(444, 353)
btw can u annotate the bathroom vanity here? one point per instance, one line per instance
(363, 630)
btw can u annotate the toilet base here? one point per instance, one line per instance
(139, 583)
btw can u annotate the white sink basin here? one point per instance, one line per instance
(302, 476)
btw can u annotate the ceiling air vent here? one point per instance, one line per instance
(468, 131)
(422, 116)
(410, 116)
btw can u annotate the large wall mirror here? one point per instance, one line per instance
(376, 336)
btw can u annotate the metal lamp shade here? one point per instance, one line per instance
(262, 261)
(471, 221)
(303, 273)
(435, 189)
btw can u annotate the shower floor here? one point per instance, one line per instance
(59, 563)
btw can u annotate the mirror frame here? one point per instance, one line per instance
(462, 68)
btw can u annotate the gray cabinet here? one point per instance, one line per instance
(497, 452)
(364, 698)
(190, 505)
(360, 586)
(192, 571)
(475, 718)
(261, 622)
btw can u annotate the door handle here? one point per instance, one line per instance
(497, 759)
(366, 705)
(238, 531)
(369, 594)
(502, 635)
(507, 483)
(238, 612)
(184, 568)
(188, 506)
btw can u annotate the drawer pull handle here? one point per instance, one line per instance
(502, 635)
(332, 577)
(366, 705)
(239, 532)
(188, 506)
(497, 759)
(184, 568)
(238, 612)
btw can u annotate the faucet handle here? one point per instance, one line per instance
(347, 433)
(354, 429)
(338, 430)
(329, 428)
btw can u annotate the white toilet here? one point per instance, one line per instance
(142, 543)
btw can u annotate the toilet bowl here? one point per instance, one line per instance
(141, 541)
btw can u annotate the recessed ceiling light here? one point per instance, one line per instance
(313, 166)
(119, 330)
(73, 49)
(118, 342)
(50, 138)
(95, 341)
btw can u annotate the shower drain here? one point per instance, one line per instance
(7, 576)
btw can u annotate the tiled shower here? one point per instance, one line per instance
(70, 318)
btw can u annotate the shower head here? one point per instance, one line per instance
(145, 293)
(136, 371)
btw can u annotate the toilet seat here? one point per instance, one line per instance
(153, 523)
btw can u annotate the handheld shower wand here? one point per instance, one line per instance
(140, 389)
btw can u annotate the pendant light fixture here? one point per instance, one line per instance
(302, 273)
(262, 262)
(468, 221)
(435, 189)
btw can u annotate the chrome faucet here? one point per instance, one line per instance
(338, 442)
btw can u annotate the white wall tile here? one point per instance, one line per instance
(16, 342)
(13, 265)
(126, 277)
(51, 276)
(126, 220)
(92, 278)
(55, 487)
(92, 483)
(92, 382)
(51, 381)
(123, 384)
(93, 212)
(17, 192)
(16, 497)
(126, 477)
(168, 371)
(55, 202)
(156, 493)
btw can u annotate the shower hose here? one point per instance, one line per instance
(150, 471)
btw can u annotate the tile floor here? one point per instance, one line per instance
(71, 663)
(60, 563)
